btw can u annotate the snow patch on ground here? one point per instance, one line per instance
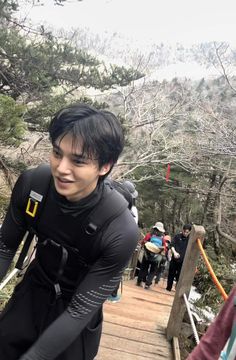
(202, 315)
(194, 295)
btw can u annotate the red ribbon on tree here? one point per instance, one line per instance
(168, 173)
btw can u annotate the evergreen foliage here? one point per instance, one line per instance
(222, 267)
(42, 70)
(12, 126)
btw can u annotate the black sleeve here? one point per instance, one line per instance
(98, 284)
(14, 226)
(6, 256)
(174, 241)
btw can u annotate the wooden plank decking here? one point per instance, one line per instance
(134, 328)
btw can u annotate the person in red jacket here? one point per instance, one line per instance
(213, 342)
(150, 259)
(158, 227)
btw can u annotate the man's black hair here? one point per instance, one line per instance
(187, 227)
(97, 131)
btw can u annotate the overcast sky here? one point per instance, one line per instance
(145, 22)
(184, 21)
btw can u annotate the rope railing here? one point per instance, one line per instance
(180, 303)
(211, 271)
(216, 282)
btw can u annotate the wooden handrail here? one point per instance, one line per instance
(185, 282)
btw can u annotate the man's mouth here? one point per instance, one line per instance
(65, 181)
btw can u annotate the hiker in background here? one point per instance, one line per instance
(178, 248)
(153, 249)
(166, 242)
(140, 249)
(128, 190)
(219, 341)
(152, 232)
(130, 187)
(141, 244)
(164, 260)
(56, 310)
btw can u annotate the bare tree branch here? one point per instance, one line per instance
(218, 224)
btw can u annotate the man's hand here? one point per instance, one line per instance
(176, 254)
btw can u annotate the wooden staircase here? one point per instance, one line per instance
(135, 327)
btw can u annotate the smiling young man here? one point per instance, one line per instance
(56, 310)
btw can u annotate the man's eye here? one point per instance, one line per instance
(56, 153)
(79, 161)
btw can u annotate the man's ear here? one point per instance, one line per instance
(105, 169)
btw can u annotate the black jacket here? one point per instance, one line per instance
(180, 244)
(83, 289)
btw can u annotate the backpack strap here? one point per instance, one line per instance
(110, 206)
(40, 181)
(39, 185)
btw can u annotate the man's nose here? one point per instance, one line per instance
(64, 166)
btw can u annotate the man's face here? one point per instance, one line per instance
(75, 176)
(186, 232)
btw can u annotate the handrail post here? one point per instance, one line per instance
(185, 282)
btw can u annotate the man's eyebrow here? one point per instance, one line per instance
(77, 156)
(56, 146)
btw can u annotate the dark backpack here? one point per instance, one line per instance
(98, 218)
(122, 190)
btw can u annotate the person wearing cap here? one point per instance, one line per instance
(153, 248)
(127, 188)
(130, 186)
(158, 226)
(178, 249)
